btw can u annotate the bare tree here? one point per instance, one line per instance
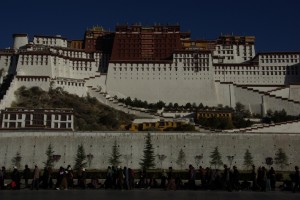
(181, 159)
(161, 158)
(198, 159)
(127, 159)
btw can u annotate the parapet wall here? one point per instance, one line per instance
(33, 145)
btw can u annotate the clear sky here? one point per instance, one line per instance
(275, 23)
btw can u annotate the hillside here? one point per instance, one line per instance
(89, 114)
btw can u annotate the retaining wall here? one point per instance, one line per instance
(33, 145)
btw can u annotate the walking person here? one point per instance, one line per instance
(70, 176)
(16, 179)
(120, 178)
(26, 175)
(226, 179)
(171, 180)
(192, 178)
(202, 176)
(272, 177)
(36, 178)
(126, 178)
(163, 179)
(109, 178)
(253, 179)
(60, 177)
(264, 179)
(235, 179)
(2, 178)
(296, 179)
(82, 178)
(131, 174)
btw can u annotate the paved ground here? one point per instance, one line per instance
(143, 195)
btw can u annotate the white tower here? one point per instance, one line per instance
(20, 39)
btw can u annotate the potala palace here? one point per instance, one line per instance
(155, 63)
(150, 63)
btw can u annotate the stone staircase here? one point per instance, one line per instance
(109, 101)
(7, 91)
(261, 127)
(274, 102)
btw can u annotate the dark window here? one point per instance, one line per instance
(12, 116)
(63, 125)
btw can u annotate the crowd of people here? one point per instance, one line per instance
(127, 179)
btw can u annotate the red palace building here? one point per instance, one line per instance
(147, 43)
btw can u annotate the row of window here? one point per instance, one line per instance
(32, 57)
(162, 78)
(48, 125)
(288, 72)
(279, 60)
(191, 55)
(40, 117)
(36, 63)
(145, 69)
(248, 68)
(280, 56)
(32, 79)
(203, 60)
(70, 83)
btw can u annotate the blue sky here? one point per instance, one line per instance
(275, 23)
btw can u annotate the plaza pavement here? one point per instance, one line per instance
(152, 194)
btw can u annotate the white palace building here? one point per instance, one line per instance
(156, 63)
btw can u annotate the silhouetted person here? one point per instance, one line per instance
(15, 177)
(60, 177)
(202, 176)
(109, 178)
(126, 178)
(253, 179)
(82, 178)
(36, 178)
(272, 177)
(2, 178)
(45, 178)
(226, 178)
(235, 178)
(171, 180)
(296, 179)
(26, 175)
(131, 174)
(192, 178)
(70, 176)
(163, 179)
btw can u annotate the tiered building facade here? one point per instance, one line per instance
(155, 63)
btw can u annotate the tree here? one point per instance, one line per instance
(281, 158)
(216, 158)
(161, 158)
(49, 153)
(188, 105)
(239, 108)
(80, 159)
(181, 159)
(148, 158)
(115, 155)
(248, 159)
(16, 161)
(160, 104)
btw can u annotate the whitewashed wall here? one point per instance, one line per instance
(33, 145)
